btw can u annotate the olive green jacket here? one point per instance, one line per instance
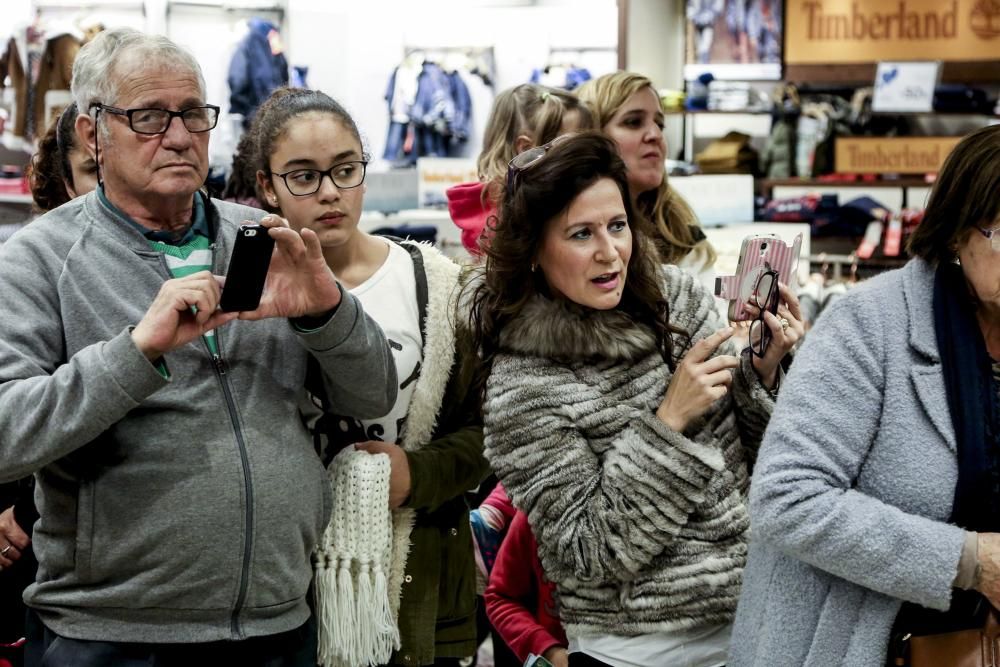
(437, 612)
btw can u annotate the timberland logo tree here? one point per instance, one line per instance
(985, 19)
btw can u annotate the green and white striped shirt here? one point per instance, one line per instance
(188, 254)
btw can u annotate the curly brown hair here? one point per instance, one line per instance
(49, 169)
(541, 193)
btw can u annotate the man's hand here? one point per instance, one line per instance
(299, 282)
(399, 479)
(13, 540)
(170, 321)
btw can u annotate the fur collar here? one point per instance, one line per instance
(564, 331)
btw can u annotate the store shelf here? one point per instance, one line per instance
(14, 198)
(947, 114)
(16, 144)
(769, 183)
(696, 112)
(969, 72)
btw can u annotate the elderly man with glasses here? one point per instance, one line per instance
(179, 492)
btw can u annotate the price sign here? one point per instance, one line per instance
(905, 86)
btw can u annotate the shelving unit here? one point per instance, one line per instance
(13, 198)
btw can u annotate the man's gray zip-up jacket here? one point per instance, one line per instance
(180, 510)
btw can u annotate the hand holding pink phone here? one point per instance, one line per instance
(759, 255)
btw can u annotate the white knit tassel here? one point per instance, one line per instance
(326, 610)
(388, 628)
(355, 616)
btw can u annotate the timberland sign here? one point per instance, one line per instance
(864, 31)
(892, 155)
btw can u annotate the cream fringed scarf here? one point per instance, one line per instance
(357, 620)
(366, 546)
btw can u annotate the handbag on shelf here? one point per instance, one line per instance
(964, 648)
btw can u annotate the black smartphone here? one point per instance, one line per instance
(247, 269)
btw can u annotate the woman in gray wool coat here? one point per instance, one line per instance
(618, 415)
(876, 495)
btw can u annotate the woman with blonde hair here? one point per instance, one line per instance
(522, 117)
(627, 109)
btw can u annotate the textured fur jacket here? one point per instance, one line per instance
(642, 529)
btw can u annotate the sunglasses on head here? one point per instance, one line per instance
(526, 159)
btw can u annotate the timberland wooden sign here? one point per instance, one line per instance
(892, 155)
(864, 31)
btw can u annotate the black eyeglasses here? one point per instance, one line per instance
(760, 333)
(304, 182)
(529, 157)
(156, 121)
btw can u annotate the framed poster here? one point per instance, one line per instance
(734, 39)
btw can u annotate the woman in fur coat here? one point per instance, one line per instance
(617, 414)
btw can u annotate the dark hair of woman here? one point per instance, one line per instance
(540, 193)
(272, 117)
(49, 169)
(964, 196)
(242, 182)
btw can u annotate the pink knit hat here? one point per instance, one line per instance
(469, 212)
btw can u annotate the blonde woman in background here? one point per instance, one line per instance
(522, 117)
(626, 107)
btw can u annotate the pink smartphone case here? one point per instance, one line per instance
(757, 255)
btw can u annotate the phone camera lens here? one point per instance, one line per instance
(251, 232)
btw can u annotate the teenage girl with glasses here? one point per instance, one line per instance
(311, 168)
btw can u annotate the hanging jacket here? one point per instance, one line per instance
(461, 125)
(433, 106)
(254, 72)
(55, 72)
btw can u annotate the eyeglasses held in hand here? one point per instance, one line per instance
(765, 296)
(157, 121)
(304, 182)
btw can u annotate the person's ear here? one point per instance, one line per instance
(86, 134)
(267, 187)
(69, 188)
(523, 143)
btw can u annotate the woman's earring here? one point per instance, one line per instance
(534, 267)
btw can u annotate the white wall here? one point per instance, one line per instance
(655, 48)
(351, 48)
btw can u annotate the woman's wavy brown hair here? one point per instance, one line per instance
(49, 170)
(542, 192)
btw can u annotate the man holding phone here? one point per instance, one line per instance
(179, 492)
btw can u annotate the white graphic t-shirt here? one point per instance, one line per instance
(390, 298)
